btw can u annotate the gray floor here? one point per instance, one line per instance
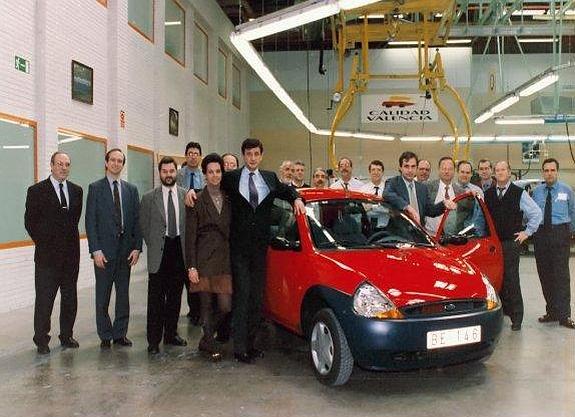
(532, 373)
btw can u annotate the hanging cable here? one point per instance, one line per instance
(310, 170)
(569, 141)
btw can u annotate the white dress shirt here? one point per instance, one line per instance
(352, 185)
(56, 185)
(369, 188)
(165, 191)
(260, 183)
(432, 223)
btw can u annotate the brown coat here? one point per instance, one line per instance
(207, 236)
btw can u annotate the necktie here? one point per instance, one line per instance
(192, 176)
(376, 188)
(447, 192)
(412, 198)
(63, 202)
(345, 186)
(254, 199)
(500, 193)
(548, 209)
(117, 208)
(172, 230)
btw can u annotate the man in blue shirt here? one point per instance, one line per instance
(190, 177)
(508, 204)
(552, 244)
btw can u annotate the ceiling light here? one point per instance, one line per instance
(376, 16)
(174, 23)
(519, 120)
(458, 41)
(505, 103)
(537, 40)
(354, 4)
(558, 138)
(539, 84)
(374, 136)
(528, 12)
(15, 146)
(357, 135)
(404, 43)
(476, 139)
(483, 117)
(420, 138)
(519, 138)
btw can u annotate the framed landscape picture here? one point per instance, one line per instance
(82, 83)
(174, 119)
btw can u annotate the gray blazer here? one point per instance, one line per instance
(433, 187)
(153, 224)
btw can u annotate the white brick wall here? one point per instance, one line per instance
(130, 74)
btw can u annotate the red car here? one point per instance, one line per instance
(368, 286)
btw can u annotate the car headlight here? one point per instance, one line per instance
(368, 301)
(491, 297)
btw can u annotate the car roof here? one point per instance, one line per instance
(320, 194)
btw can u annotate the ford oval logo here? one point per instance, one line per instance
(449, 307)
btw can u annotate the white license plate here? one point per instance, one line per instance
(453, 337)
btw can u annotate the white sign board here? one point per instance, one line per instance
(397, 108)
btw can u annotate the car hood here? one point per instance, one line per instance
(413, 275)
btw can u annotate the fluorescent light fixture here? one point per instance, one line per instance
(420, 138)
(474, 139)
(519, 120)
(559, 138)
(403, 43)
(376, 16)
(507, 101)
(438, 14)
(288, 18)
(519, 138)
(415, 43)
(528, 12)
(458, 41)
(537, 40)
(174, 23)
(15, 146)
(354, 4)
(374, 136)
(357, 135)
(69, 139)
(539, 84)
(483, 117)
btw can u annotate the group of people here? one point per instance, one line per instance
(206, 227)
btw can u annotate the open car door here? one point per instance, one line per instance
(470, 233)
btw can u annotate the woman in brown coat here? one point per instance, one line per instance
(208, 253)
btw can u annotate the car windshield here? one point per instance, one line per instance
(357, 224)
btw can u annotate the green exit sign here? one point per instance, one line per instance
(22, 64)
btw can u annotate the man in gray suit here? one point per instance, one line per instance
(162, 218)
(442, 189)
(115, 243)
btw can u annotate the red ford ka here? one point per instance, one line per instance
(368, 286)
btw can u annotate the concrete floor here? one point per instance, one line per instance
(531, 373)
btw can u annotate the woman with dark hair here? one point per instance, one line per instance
(208, 254)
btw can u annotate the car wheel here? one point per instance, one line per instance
(330, 354)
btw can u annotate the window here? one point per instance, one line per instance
(141, 17)
(87, 157)
(17, 157)
(222, 71)
(200, 53)
(466, 220)
(140, 168)
(236, 87)
(175, 30)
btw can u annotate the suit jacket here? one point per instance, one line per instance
(153, 225)
(208, 236)
(433, 187)
(250, 228)
(101, 223)
(53, 229)
(397, 195)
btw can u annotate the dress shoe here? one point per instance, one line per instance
(105, 344)
(176, 341)
(255, 353)
(123, 341)
(243, 357)
(515, 327)
(153, 349)
(194, 318)
(69, 342)
(43, 350)
(570, 324)
(547, 318)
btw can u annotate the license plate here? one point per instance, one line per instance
(453, 337)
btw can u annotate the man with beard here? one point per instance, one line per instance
(286, 172)
(162, 219)
(346, 182)
(319, 178)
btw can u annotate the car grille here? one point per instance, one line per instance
(444, 308)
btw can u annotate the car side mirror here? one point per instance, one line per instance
(457, 240)
(281, 243)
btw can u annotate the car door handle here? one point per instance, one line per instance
(491, 248)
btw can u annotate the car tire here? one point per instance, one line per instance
(331, 357)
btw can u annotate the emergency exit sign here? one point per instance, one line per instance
(22, 64)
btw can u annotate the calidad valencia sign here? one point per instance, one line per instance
(397, 108)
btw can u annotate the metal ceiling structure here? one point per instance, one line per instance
(476, 20)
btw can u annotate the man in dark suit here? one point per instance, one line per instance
(410, 196)
(115, 242)
(251, 192)
(53, 209)
(163, 223)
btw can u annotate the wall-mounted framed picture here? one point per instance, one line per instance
(174, 121)
(82, 83)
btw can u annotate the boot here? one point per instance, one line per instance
(209, 345)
